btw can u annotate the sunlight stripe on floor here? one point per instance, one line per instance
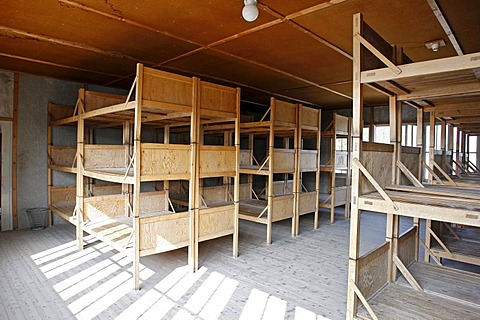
(219, 300)
(255, 306)
(198, 300)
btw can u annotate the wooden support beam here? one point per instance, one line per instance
(378, 54)
(407, 275)
(353, 293)
(16, 79)
(410, 176)
(431, 67)
(445, 90)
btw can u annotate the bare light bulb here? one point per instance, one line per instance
(250, 11)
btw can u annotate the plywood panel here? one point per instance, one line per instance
(152, 202)
(105, 156)
(246, 157)
(282, 208)
(282, 187)
(377, 159)
(285, 112)
(217, 194)
(104, 206)
(307, 202)
(165, 159)
(166, 87)
(60, 195)
(163, 233)
(215, 97)
(284, 160)
(216, 160)
(106, 189)
(245, 191)
(308, 160)
(96, 100)
(341, 124)
(412, 162)
(372, 270)
(56, 112)
(216, 222)
(310, 117)
(406, 246)
(61, 155)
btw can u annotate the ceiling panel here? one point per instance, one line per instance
(408, 24)
(203, 22)
(307, 59)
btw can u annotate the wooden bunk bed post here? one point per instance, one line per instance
(49, 170)
(296, 178)
(236, 181)
(349, 168)
(352, 299)
(443, 143)
(80, 158)
(333, 176)
(194, 198)
(431, 145)
(127, 142)
(166, 183)
(271, 145)
(420, 128)
(317, 173)
(137, 175)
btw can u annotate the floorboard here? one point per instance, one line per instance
(43, 276)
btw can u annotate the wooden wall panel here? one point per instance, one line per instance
(163, 233)
(104, 156)
(104, 207)
(217, 160)
(284, 160)
(282, 207)
(166, 160)
(216, 222)
(215, 97)
(166, 87)
(372, 270)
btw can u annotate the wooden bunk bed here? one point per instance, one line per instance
(280, 120)
(336, 167)
(433, 291)
(142, 220)
(62, 156)
(308, 164)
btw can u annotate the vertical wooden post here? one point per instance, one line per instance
(271, 145)
(431, 144)
(193, 187)
(349, 169)
(450, 147)
(49, 171)
(137, 175)
(333, 175)
(420, 128)
(317, 172)
(297, 174)
(464, 149)
(457, 147)
(16, 77)
(236, 180)
(443, 143)
(166, 183)
(371, 125)
(80, 159)
(428, 240)
(352, 300)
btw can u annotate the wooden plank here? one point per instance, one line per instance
(443, 65)
(14, 150)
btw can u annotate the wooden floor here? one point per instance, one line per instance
(43, 276)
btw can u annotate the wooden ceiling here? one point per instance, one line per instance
(295, 49)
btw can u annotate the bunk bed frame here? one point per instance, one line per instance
(146, 222)
(337, 195)
(308, 161)
(279, 120)
(372, 277)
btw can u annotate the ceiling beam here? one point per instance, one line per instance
(12, 56)
(27, 35)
